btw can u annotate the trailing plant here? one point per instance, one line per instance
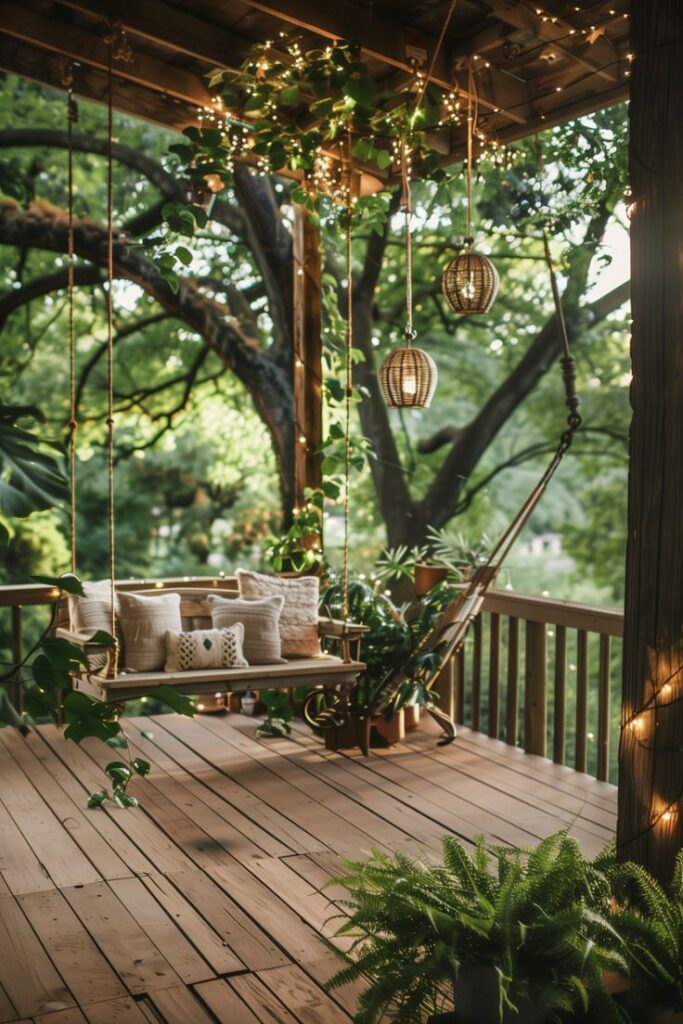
(457, 552)
(31, 477)
(537, 920)
(299, 549)
(279, 713)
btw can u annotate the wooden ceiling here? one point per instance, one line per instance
(537, 63)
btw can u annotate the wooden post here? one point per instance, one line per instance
(650, 826)
(307, 362)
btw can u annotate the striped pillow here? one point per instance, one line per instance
(205, 648)
(144, 622)
(261, 620)
(299, 619)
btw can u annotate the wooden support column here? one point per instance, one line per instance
(650, 825)
(307, 362)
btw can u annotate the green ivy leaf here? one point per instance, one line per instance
(69, 583)
(118, 772)
(86, 717)
(177, 701)
(97, 799)
(141, 767)
(122, 799)
(183, 254)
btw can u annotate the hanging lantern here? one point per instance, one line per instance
(407, 378)
(470, 283)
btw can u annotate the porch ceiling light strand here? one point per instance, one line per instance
(470, 281)
(407, 377)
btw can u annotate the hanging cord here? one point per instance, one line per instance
(348, 398)
(408, 213)
(72, 118)
(472, 120)
(117, 49)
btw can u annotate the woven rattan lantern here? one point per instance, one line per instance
(470, 283)
(407, 378)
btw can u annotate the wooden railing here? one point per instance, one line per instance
(534, 672)
(542, 674)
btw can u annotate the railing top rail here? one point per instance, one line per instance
(608, 621)
(12, 595)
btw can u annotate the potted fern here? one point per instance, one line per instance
(650, 920)
(499, 935)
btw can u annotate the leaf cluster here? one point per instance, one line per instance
(538, 919)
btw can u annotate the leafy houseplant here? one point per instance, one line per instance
(650, 919)
(279, 713)
(299, 549)
(499, 935)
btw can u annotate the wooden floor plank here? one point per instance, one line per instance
(71, 815)
(266, 826)
(130, 951)
(26, 972)
(49, 840)
(19, 867)
(168, 938)
(203, 937)
(70, 947)
(71, 1016)
(7, 1010)
(295, 988)
(179, 1006)
(118, 1011)
(225, 1004)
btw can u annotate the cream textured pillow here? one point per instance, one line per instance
(205, 648)
(93, 611)
(145, 621)
(299, 618)
(261, 620)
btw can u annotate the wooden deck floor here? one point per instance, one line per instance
(204, 904)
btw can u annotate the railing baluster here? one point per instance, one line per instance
(560, 717)
(17, 690)
(535, 693)
(476, 674)
(459, 663)
(512, 708)
(494, 675)
(604, 707)
(581, 756)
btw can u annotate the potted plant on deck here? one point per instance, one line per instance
(497, 936)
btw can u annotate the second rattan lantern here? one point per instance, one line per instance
(407, 378)
(470, 283)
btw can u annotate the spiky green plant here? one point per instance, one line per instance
(650, 919)
(538, 918)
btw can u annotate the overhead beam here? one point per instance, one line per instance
(183, 33)
(48, 69)
(90, 48)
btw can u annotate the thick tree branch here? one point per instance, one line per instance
(42, 227)
(13, 300)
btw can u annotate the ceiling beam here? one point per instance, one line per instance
(90, 48)
(48, 69)
(183, 33)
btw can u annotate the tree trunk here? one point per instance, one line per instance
(651, 753)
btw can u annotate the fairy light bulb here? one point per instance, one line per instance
(410, 384)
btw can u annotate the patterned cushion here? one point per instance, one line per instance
(205, 648)
(261, 625)
(93, 611)
(144, 621)
(299, 618)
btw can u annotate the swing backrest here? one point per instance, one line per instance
(194, 610)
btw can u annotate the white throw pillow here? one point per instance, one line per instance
(205, 648)
(93, 611)
(299, 618)
(261, 620)
(145, 622)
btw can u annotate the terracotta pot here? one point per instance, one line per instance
(427, 576)
(411, 716)
(392, 730)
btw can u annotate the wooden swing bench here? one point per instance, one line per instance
(101, 681)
